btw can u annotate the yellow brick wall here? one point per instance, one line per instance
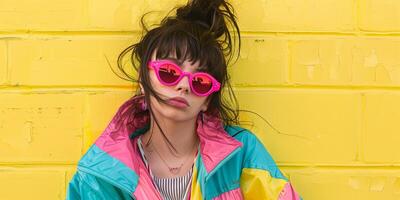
(324, 73)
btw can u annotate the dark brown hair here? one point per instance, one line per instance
(198, 32)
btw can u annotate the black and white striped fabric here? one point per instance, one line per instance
(175, 188)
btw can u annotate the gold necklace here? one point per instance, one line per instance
(173, 170)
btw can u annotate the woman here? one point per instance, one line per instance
(178, 138)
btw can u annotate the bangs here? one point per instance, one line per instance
(189, 46)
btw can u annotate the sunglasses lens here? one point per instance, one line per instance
(169, 73)
(201, 83)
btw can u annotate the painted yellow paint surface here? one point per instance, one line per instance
(325, 75)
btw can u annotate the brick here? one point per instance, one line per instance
(106, 103)
(43, 184)
(352, 183)
(303, 16)
(40, 127)
(321, 62)
(88, 15)
(3, 62)
(357, 62)
(296, 16)
(40, 15)
(63, 61)
(264, 58)
(376, 62)
(381, 127)
(380, 15)
(306, 126)
(125, 15)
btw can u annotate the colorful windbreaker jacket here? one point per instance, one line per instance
(232, 163)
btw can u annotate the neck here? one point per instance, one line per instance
(181, 134)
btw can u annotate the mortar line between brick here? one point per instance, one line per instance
(76, 89)
(358, 33)
(39, 165)
(343, 168)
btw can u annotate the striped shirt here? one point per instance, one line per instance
(175, 188)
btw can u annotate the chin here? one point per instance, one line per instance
(176, 114)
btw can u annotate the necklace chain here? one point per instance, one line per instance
(173, 170)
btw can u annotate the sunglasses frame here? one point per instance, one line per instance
(155, 64)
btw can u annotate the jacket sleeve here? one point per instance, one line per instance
(261, 178)
(85, 186)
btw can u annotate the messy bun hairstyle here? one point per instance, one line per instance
(198, 32)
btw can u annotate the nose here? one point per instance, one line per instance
(183, 84)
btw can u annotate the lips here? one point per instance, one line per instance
(179, 100)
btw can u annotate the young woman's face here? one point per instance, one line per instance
(174, 110)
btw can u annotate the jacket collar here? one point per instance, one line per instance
(118, 140)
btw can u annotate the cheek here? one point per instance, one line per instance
(163, 90)
(155, 83)
(153, 78)
(199, 102)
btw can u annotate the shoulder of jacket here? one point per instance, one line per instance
(243, 135)
(256, 154)
(236, 130)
